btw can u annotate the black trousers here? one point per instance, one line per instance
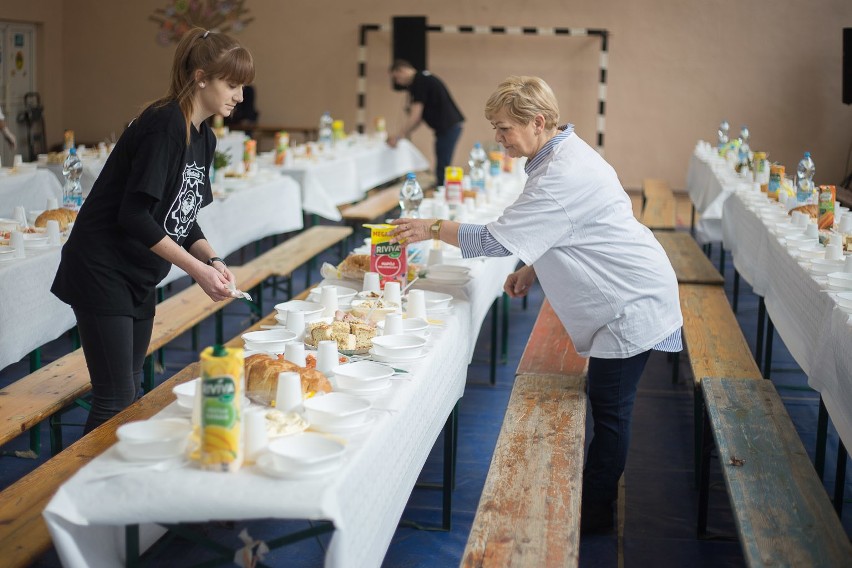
(115, 348)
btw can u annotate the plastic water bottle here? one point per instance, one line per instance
(805, 181)
(325, 131)
(477, 162)
(723, 133)
(744, 152)
(72, 192)
(410, 197)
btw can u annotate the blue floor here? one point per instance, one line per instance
(659, 520)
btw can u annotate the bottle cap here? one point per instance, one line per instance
(219, 350)
(807, 154)
(410, 175)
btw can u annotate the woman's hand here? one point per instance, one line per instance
(411, 230)
(214, 281)
(519, 282)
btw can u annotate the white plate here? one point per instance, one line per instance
(246, 403)
(384, 359)
(368, 393)
(331, 429)
(267, 465)
(451, 279)
(124, 450)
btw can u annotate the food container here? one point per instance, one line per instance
(268, 341)
(840, 280)
(411, 326)
(403, 346)
(363, 375)
(312, 310)
(305, 452)
(153, 439)
(336, 410)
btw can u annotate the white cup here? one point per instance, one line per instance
(436, 256)
(256, 438)
(834, 251)
(295, 353)
(18, 160)
(327, 356)
(416, 304)
(328, 298)
(53, 232)
(288, 395)
(296, 323)
(371, 282)
(392, 292)
(782, 197)
(16, 241)
(812, 230)
(52, 203)
(393, 324)
(846, 224)
(21, 215)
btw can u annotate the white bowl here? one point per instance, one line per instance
(306, 451)
(411, 326)
(185, 393)
(269, 340)
(404, 346)
(344, 294)
(336, 409)
(840, 280)
(312, 310)
(363, 374)
(809, 252)
(437, 300)
(448, 268)
(153, 439)
(799, 239)
(844, 299)
(824, 266)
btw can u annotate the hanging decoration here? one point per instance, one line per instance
(179, 16)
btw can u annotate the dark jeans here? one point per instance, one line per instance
(612, 391)
(445, 145)
(115, 348)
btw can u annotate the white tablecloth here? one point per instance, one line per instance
(805, 315)
(31, 189)
(248, 210)
(345, 174)
(709, 182)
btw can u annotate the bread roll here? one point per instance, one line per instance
(63, 216)
(262, 371)
(811, 210)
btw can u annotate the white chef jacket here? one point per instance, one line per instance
(606, 276)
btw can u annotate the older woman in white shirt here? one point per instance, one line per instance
(606, 276)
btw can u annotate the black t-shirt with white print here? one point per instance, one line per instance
(104, 269)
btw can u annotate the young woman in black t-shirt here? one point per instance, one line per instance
(140, 218)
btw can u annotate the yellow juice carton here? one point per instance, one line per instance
(389, 259)
(453, 177)
(221, 408)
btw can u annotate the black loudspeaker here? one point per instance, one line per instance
(847, 66)
(409, 40)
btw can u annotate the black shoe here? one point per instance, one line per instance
(596, 517)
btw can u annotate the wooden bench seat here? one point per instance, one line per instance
(782, 512)
(41, 394)
(375, 207)
(23, 533)
(529, 511)
(658, 205)
(690, 264)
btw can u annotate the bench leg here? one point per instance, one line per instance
(704, 479)
(148, 374)
(761, 316)
(290, 287)
(840, 478)
(308, 270)
(504, 344)
(56, 442)
(692, 222)
(75, 338)
(195, 338)
(821, 436)
(736, 298)
(698, 427)
(492, 377)
(767, 361)
(721, 260)
(35, 439)
(35, 360)
(131, 546)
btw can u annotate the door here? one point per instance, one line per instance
(17, 78)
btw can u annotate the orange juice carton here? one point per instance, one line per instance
(826, 195)
(282, 144)
(389, 260)
(453, 177)
(250, 155)
(221, 408)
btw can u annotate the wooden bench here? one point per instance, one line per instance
(41, 394)
(782, 512)
(23, 533)
(658, 205)
(690, 264)
(375, 207)
(529, 511)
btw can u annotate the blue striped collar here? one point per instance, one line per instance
(548, 147)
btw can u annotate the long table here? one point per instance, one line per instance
(31, 188)
(814, 328)
(364, 499)
(244, 212)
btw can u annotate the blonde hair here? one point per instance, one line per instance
(523, 98)
(217, 55)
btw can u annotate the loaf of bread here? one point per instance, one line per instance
(354, 266)
(261, 372)
(63, 216)
(811, 210)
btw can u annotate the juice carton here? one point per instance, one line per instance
(453, 177)
(826, 198)
(221, 408)
(282, 143)
(389, 259)
(250, 155)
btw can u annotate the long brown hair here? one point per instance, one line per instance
(217, 55)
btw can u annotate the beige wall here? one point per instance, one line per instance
(676, 69)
